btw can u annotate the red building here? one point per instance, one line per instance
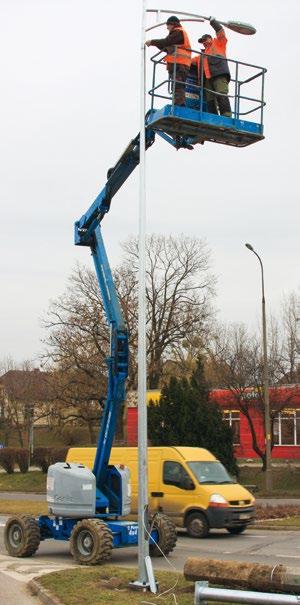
(285, 406)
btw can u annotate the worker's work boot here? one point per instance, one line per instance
(224, 106)
(199, 141)
(181, 143)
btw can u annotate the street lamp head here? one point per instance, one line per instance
(249, 247)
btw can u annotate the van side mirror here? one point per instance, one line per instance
(187, 483)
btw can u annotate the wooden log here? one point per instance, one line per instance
(237, 574)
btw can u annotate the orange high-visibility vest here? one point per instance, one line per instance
(197, 62)
(217, 49)
(182, 52)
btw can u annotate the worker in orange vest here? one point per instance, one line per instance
(216, 70)
(178, 48)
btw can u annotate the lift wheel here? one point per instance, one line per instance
(91, 542)
(21, 536)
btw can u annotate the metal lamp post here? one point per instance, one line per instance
(145, 573)
(265, 378)
(30, 433)
(143, 543)
(146, 576)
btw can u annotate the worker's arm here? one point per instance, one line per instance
(175, 37)
(219, 29)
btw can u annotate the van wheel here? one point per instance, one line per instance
(167, 536)
(236, 530)
(91, 542)
(197, 525)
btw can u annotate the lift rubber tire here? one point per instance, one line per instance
(235, 531)
(197, 525)
(91, 542)
(167, 535)
(21, 536)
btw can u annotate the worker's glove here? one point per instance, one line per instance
(215, 24)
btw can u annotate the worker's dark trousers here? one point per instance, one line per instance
(179, 85)
(222, 103)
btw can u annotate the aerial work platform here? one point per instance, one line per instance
(193, 123)
(203, 126)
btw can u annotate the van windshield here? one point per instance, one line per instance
(213, 473)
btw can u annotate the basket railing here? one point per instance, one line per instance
(246, 87)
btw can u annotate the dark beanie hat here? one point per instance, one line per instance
(204, 37)
(173, 21)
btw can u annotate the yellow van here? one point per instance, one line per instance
(186, 483)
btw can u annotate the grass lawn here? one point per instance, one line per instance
(286, 480)
(108, 585)
(286, 522)
(33, 481)
(27, 507)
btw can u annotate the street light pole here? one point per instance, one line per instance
(30, 434)
(268, 452)
(145, 572)
(143, 541)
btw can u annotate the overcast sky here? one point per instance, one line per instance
(69, 106)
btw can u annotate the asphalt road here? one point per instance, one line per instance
(259, 546)
(42, 498)
(22, 496)
(272, 547)
(15, 592)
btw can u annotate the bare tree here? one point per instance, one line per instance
(24, 396)
(77, 337)
(290, 320)
(235, 363)
(6, 364)
(75, 400)
(77, 346)
(179, 292)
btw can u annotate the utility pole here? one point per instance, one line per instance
(30, 433)
(268, 441)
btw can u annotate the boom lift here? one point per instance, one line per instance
(85, 507)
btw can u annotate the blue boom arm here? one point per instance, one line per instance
(116, 177)
(117, 361)
(88, 233)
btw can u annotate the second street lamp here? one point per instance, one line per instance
(268, 452)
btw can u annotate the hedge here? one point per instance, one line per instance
(22, 459)
(43, 457)
(10, 457)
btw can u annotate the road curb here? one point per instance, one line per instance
(43, 594)
(275, 527)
